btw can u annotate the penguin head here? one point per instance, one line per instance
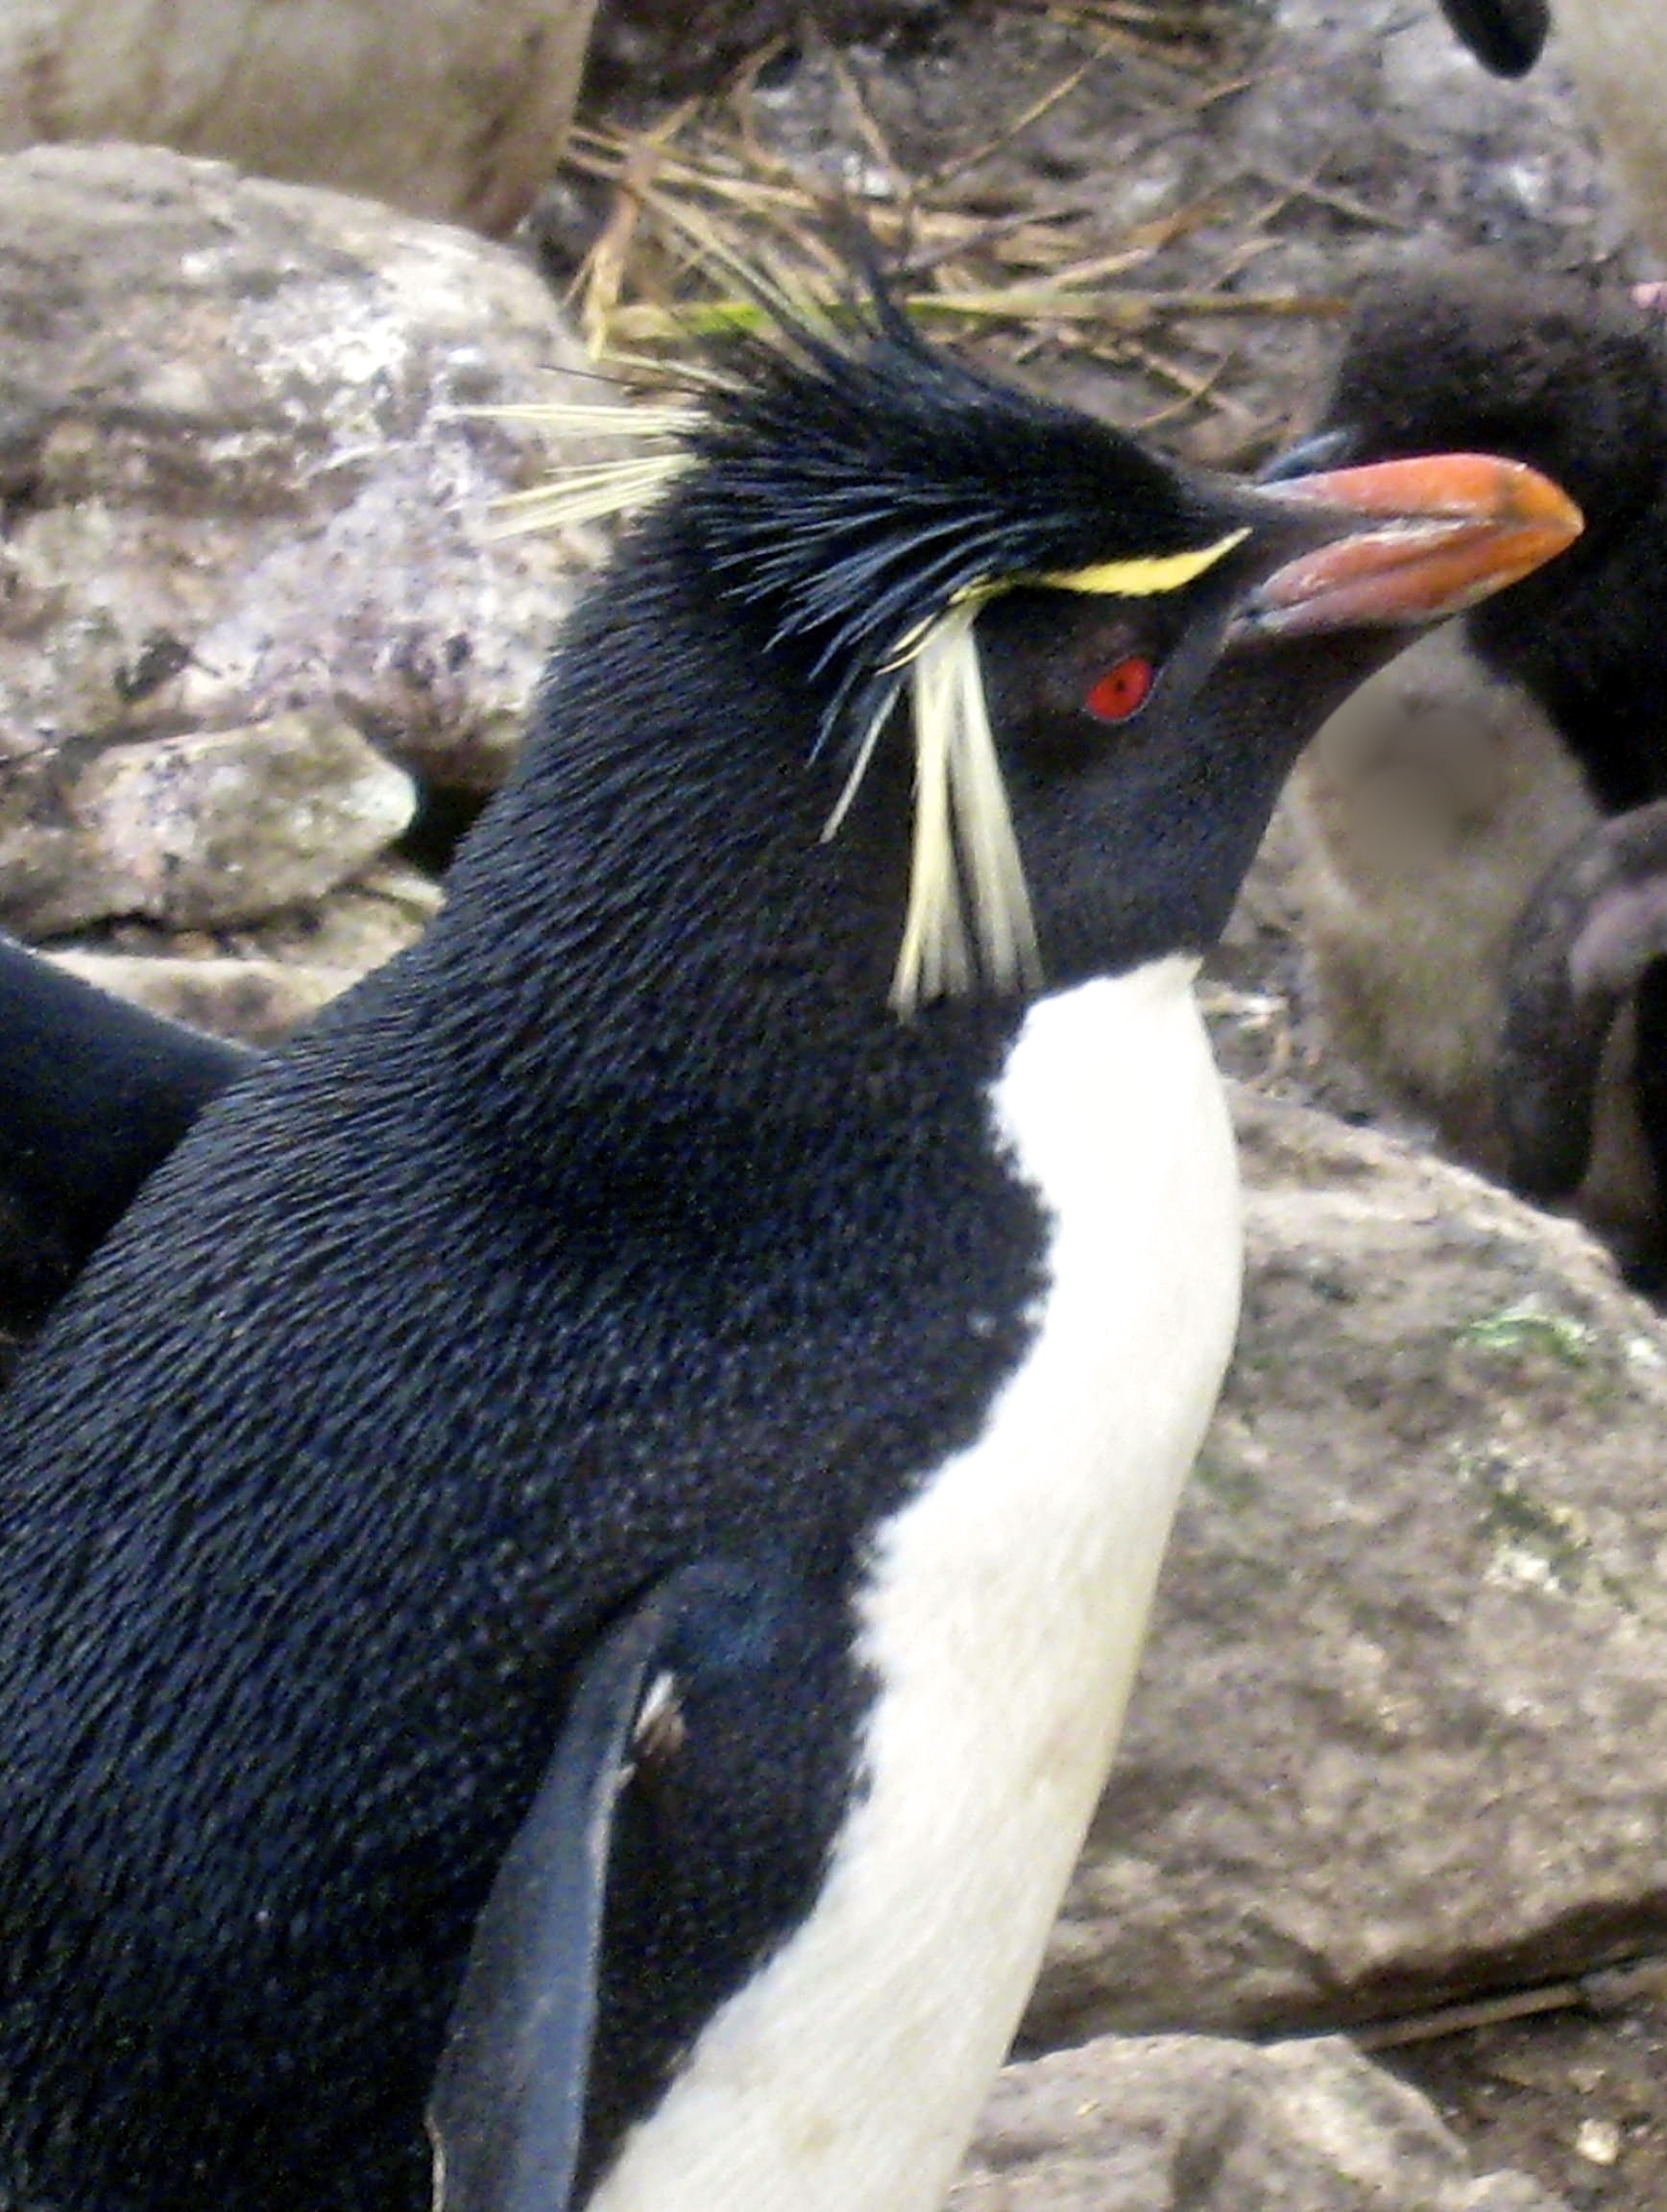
(919, 694)
(1477, 355)
(997, 617)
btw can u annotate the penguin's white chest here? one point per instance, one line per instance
(1002, 1619)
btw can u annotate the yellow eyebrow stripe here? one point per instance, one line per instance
(1144, 579)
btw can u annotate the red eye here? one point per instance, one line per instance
(1121, 692)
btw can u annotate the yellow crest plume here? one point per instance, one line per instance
(594, 492)
(965, 852)
(1146, 575)
(963, 829)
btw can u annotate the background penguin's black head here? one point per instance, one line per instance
(1479, 356)
(1572, 380)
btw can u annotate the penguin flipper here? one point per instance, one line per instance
(1505, 36)
(506, 2112)
(94, 1094)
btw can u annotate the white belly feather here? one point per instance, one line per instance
(1002, 1619)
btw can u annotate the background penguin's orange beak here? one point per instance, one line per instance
(1413, 541)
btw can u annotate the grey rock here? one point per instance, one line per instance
(453, 108)
(1400, 1734)
(258, 983)
(259, 1001)
(246, 471)
(1193, 2124)
(214, 825)
(1616, 51)
(355, 929)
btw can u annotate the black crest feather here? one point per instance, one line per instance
(857, 485)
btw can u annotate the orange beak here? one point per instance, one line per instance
(1413, 542)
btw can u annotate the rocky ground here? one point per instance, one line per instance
(1398, 1764)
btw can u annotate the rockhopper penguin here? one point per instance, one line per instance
(668, 1399)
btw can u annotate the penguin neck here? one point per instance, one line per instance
(1587, 644)
(650, 936)
(1584, 637)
